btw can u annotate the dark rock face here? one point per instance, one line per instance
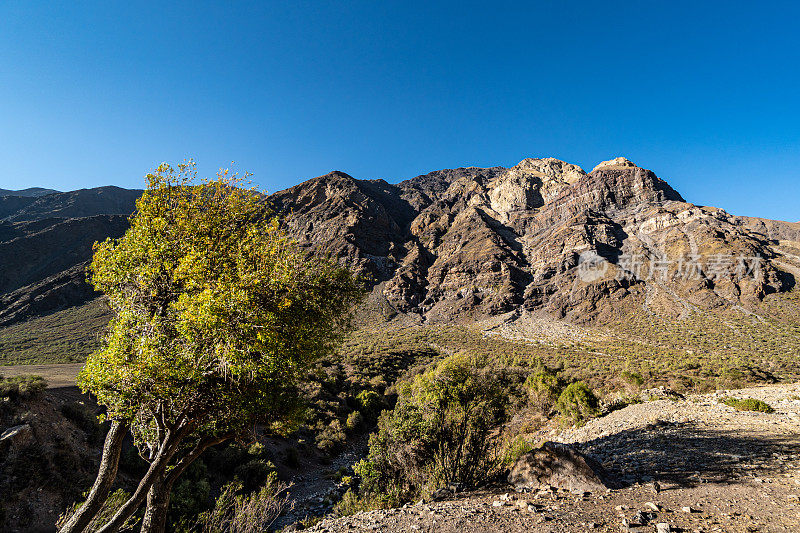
(473, 242)
(559, 466)
(46, 241)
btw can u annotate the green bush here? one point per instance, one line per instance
(354, 421)
(254, 472)
(441, 431)
(21, 387)
(515, 449)
(234, 512)
(370, 404)
(748, 404)
(578, 402)
(544, 386)
(632, 378)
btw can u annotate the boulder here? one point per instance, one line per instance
(560, 466)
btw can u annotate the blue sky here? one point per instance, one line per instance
(706, 94)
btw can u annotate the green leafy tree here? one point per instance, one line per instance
(216, 315)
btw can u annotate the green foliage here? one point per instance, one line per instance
(578, 402)
(544, 387)
(515, 449)
(216, 312)
(190, 496)
(439, 432)
(21, 387)
(352, 502)
(240, 513)
(369, 403)
(632, 378)
(748, 404)
(354, 421)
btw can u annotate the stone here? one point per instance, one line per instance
(560, 466)
(17, 436)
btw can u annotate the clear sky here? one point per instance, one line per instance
(706, 94)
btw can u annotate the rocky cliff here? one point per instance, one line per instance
(544, 234)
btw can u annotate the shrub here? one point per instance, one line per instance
(632, 378)
(114, 502)
(352, 503)
(354, 420)
(544, 387)
(253, 473)
(515, 449)
(369, 403)
(252, 513)
(440, 432)
(748, 404)
(21, 387)
(330, 436)
(578, 402)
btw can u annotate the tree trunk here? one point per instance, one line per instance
(156, 470)
(102, 484)
(155, 514)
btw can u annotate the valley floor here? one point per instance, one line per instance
(694, 464)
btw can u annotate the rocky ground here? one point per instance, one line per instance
(690, 464)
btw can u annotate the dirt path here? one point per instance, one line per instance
(691, 465)
(57, 376)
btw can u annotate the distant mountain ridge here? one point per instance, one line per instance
(32, 191)
(473, 242)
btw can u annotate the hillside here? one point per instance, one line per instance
(472, 242)
(45, 244)
(32, 191)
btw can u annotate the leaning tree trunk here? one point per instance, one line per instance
(98, 495)
(155, 514)
(155, 472)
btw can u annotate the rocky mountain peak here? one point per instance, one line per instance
(616, 163)
(551, 168)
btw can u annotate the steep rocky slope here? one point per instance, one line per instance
(544, 234)
(46, 241)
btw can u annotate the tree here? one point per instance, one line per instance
(216, 314)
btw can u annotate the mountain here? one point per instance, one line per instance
(616, 247)
(45, 245)
(74, 204)
(32, 191)
(469, 243)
